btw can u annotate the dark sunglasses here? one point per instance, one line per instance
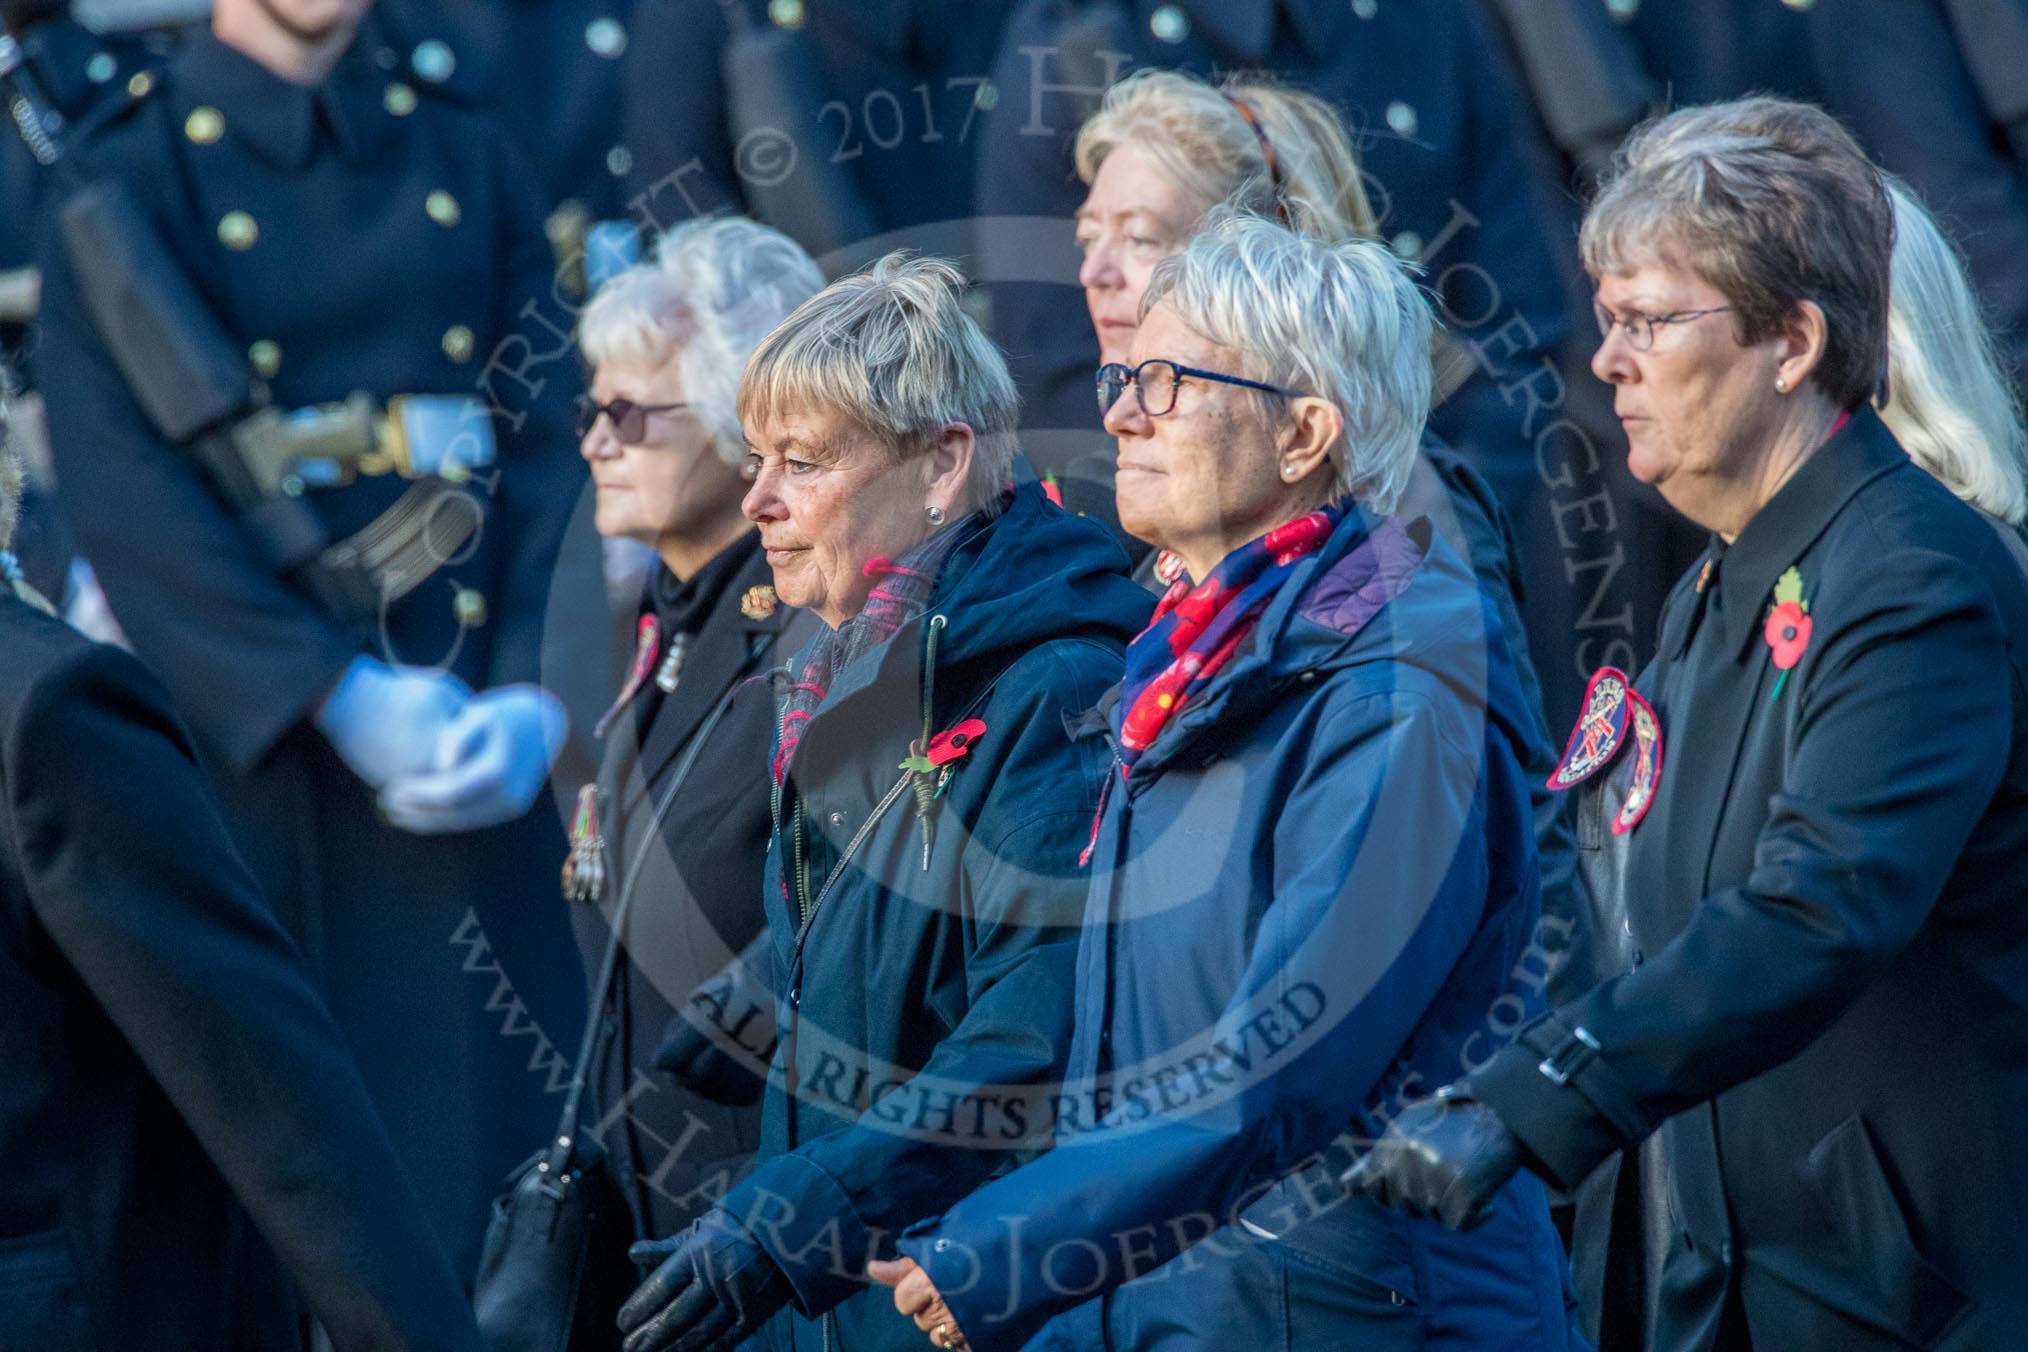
(1155, 382)
(630, 420)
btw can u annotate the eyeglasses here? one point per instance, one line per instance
(1155, 383)
(1640, 328)
(630, 420)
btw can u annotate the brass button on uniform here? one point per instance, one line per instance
(237, 231)
(204, 125)
(786, 13)
(102, 67)
(458, 343)
(139, 83)
(433, 60)
(442, 207)
(470, 607)
(1366, 9)
(606, 36)
(399, 99)
(266, 356)
(1402, 118)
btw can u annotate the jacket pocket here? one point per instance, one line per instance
(41, 1299)
(1363, 1247)
(1892, 1286)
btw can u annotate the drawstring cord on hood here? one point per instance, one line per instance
(923, 781)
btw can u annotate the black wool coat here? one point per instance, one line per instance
(1826, 1018)
(190, 1146)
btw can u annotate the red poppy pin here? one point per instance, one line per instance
(945, 750)
(1788, 627)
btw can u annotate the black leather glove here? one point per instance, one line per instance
(713, 1289)
(1446, 1157)
(694, 1061)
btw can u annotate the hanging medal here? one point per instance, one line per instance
(584, 869)
(671, 671)
(647, 640)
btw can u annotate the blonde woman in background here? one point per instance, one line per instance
(1165, 147)
(1949, 404)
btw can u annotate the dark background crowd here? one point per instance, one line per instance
(379, 670)
(856, 128)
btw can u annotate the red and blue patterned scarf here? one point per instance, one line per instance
(1197, 628)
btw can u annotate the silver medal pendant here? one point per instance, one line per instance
(671, 670)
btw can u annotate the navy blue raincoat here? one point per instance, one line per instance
(1314, 900)
(923, 964)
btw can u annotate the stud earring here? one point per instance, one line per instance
(935, 515)
(1781, 385)
(1288, 471)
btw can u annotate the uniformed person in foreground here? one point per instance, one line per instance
(1822, 785)
(372, 256)
(190, 1146)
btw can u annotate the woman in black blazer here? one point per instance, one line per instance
(1822, 785)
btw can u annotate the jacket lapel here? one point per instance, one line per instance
(709, 670)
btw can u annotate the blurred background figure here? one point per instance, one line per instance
(835, 121)
(198, 1163)
(676, 828)
(1950, 404)
(547, 73)
(324, 564)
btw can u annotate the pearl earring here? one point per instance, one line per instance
(1781, 385)
(935, 515)
(1288, 471)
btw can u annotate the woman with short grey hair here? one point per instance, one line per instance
(666, 845)
(1312, 874)
(930, 806)
(1817, 793)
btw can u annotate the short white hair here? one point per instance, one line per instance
(712, 290)
(892, 348)
(1949, 405)
(1341, 321)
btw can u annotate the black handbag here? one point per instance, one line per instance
(553, 1271)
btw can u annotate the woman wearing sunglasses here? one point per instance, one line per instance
(668, 843)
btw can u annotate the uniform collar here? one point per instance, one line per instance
(278, 120)
(1783, 530)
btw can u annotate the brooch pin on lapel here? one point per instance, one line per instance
(1787, 630)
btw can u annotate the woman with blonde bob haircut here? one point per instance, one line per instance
(922, 876)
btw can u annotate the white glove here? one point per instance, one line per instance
(489, 764)
(385, 721)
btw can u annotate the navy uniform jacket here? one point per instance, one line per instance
(1895, 72)
(1827, 1021)
(695, 875)
(350, 239)
(547, 72)
(900, 108)
(1430, 103)
(177, 1109)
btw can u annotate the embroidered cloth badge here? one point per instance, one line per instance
(1600, 732)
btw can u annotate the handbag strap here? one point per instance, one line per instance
(566, 1138)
